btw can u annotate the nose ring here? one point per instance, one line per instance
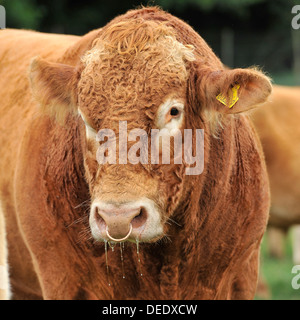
(118, 240)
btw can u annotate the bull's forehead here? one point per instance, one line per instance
(121, 79)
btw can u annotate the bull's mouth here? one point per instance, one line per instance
(138, 221)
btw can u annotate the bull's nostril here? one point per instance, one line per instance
(140, 219)
(99, 219)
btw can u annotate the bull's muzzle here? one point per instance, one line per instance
(127, 221)
(119, 221)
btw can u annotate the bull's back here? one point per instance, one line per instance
(17, 48)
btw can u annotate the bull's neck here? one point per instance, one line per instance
(64, 169)
(187, 257)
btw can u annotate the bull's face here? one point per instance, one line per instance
(138, 78)
(136, 81)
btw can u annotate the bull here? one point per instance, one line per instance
(190, 236)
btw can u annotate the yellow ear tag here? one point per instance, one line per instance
(234, 98)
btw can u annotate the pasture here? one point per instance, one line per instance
(277, 273)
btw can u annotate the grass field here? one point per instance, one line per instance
(277, 273)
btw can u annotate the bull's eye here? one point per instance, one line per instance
(170, 114)
(174, 112)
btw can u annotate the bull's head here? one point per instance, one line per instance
(138, 73)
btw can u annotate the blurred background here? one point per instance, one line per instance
(241, 32)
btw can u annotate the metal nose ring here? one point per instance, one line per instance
(118, 240)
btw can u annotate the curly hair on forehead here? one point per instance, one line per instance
(134, 35)
(129, 62)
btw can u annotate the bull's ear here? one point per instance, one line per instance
(54, 87)
(235, 91)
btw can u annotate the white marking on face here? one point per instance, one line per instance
(169, 120)
(170, 115)
(90, 132)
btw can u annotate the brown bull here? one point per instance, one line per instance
(277, 124)
(192, 236)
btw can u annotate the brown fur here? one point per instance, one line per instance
(51, 171)
(277, 124)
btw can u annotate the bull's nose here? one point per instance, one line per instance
(117, 222)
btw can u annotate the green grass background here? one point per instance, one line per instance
(277, 272)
